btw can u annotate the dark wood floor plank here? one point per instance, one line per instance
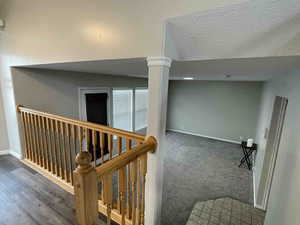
(27, 198)
(10, 212)
(57, 199)
(41, 202)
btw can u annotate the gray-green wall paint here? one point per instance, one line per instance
(57, 91)
(225, 110)
(3, 131)
(221, 109)
(283, 205)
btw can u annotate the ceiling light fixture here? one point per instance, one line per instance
(188, 78)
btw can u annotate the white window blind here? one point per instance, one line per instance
(141, 108)
(122, 109)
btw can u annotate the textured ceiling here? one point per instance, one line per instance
(254, 28)
(217, 69)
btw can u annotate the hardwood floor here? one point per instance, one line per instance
(27, 198)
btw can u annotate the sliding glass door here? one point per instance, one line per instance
(141, 106)
(122, 109)
(130, 109)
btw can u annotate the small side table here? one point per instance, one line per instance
(247, 151)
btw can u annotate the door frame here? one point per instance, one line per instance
(94, 90)
(275, 147)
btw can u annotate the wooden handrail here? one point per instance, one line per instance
(148, 146)
(113, 131)
(51, 143)
(131, 169)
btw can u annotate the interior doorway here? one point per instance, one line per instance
(94, 107)
(273, 137)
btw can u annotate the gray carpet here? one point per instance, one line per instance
(200, 169)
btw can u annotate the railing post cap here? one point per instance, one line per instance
(83, 158)
(152, 140)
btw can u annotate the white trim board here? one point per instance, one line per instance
(254, 187)
(258, 206)
(4, 152)
(15, 154)
(205, 136)
(273, 143)
(12, 153)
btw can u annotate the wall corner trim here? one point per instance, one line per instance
(256, 205)
(254, 186)
(159, 61)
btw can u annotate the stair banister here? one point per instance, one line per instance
(86, 177)
(105, 160)
(85, 188)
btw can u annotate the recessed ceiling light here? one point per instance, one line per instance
(188, 78)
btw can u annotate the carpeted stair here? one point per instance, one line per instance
(225, 211)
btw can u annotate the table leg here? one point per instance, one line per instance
(246, 158)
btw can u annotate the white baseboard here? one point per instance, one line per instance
(4, 152)
(15, 154)
(11, 152)
(259, 207)
(205, 136)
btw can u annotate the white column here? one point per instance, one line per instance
(158, 82)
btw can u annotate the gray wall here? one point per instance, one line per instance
(57, 91)
(4, 145)
(94, 31)
(284, 198)
(225, 110)
(3, 131)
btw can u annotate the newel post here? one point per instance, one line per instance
(85, 188)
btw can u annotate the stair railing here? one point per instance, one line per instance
(50, 144)
(128, 171)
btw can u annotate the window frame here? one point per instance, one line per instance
(132, 115)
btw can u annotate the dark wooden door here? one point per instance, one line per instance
(96, 112)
